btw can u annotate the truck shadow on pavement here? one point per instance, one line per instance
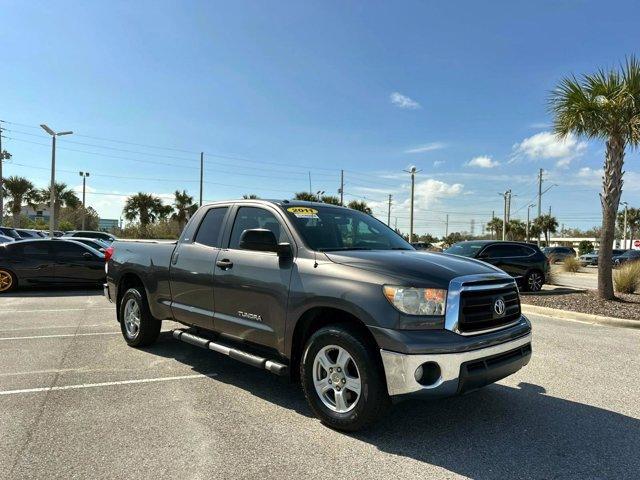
(31, 292)
(495, 433)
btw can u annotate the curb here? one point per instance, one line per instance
(584, 317)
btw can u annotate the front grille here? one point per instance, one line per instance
(477, 309)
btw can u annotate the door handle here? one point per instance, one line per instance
(224, 264)
(174, 260)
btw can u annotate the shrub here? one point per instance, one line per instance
(626, 279)
(571, 264)
(585, 247)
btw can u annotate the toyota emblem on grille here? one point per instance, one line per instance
(499, 307)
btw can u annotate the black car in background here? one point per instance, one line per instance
(523, 261)
(95, 243)
(558, 254)
(49, 262)
(10, 232)
(90, 234)
(29, 233)
(626, 257)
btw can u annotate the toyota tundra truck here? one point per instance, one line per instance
(328, 296)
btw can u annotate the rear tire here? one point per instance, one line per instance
(342, 379)
(8, 280)
(533, 281)
(138, 326)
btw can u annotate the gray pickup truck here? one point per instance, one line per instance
(328, 296)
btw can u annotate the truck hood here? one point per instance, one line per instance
(437, 269)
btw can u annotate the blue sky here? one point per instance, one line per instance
(273, 90)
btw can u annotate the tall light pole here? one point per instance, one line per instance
(4, 155)
(624, 230)
(413, 172)
(505, 217)
(84, 176)
(389, 213)
(530, 206)
(52, 196)
(319, 194)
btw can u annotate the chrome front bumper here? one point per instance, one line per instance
(400, 368)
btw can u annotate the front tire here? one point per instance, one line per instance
(7, 281)
(342, 379)
(138, 326)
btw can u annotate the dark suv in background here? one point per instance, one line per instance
(523, 261)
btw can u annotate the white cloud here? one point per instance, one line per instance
(402, 101)
(437, 163)
(547, 145)
(427, 147)
(483, 161)
(540, 125)
(431, 191)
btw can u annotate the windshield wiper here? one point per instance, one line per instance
(342, 249)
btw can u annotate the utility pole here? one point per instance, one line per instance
(624, 230)
(472, 226)
(507, 198)
(389, 213)
(341, 191)
(493, 232)
(310, 190)
(539, 200)
(446, 226)
(201, 174)
(84, 176)
(413, 172)
(52, 193)
(528, 221)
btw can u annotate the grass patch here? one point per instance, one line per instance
(626, 279)
(571, 265)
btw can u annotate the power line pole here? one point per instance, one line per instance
(413, 172)
(4, 155)
(493, 232)
(389, 212)
(201, 174)
(310, 190)
(528, 221)
(446, 226)
(342, 189)
(84, 176)
(539, 200)
(506, 195)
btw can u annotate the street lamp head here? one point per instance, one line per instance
(64, 133)
(81, 174)
(47, 129)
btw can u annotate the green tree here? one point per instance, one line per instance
(453, 238)
(603, 105)
(585, 246)
(361, 206)
(71, 219)
(19, 190)
(250, 196)
(547, 225)
(330, 199)
(495, 227)
(182, 204)
(64, 197)
(306, 196)
(143, 206)
(516, 230)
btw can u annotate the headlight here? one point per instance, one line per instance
(417, 301)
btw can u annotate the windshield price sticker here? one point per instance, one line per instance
(303, 212)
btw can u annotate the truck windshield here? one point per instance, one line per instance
(332, 229)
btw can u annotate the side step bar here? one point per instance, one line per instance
(245, 357)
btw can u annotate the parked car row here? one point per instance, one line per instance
(592, 257)
(8, 234)
(52, 261)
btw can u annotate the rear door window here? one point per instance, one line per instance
(33, 249)
(68, 251)
(209, 232)
(501, 251)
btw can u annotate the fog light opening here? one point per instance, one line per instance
(427, 374)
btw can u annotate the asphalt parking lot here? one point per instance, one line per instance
(77, 402)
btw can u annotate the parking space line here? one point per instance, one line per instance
(53, 327)
(107, 384)
(60, 335)
(58, 310)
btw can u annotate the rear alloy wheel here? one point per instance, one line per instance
(534, 281)
(7, 281)
(138, 326)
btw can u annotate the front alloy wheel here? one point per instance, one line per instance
(336, 378)
(534, 282)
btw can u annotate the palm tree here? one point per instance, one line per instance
(144, 206)
(182, 203)
(19, 190)
(64, 197)
(603, 105)
(330, 199)
(250, 196)
(361, 206)
(547, 224)
(495, 226)
(306, 196)
(516, 229)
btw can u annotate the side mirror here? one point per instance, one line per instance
(284, 250)
(259, 239)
